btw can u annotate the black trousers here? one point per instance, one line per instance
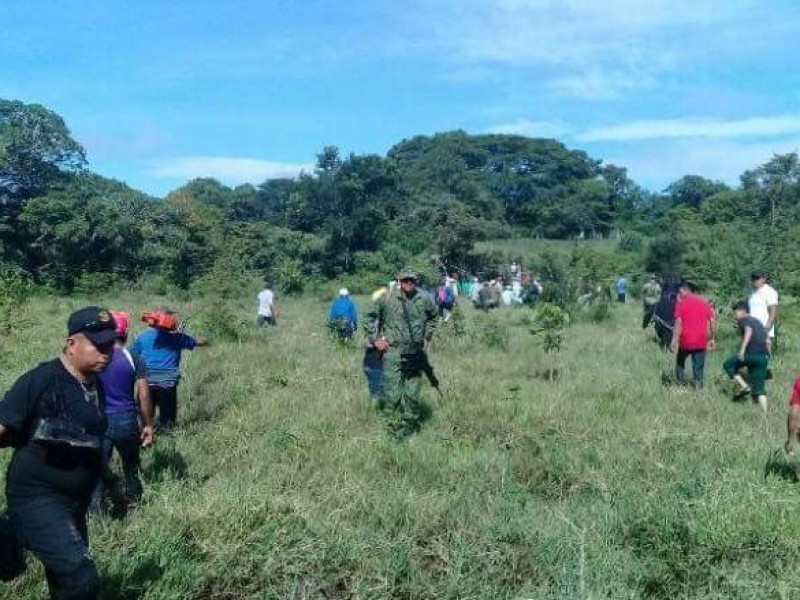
(53, 528)
(166, 400)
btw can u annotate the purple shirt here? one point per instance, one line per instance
(119, 381)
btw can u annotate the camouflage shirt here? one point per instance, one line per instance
(387, 319)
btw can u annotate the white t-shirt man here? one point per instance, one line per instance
(760, 302)
(265, 308)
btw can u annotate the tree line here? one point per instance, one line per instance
(65, 227)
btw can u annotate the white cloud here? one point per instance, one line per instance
(597, 84)
(657, 165)
(694, 127)
(229, 170)
(543, 129)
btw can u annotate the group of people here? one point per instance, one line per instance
(687, 324)
(65, 417)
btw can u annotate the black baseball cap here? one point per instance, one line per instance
(95, 323)
(758, 274)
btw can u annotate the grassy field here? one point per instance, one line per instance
(283, 483)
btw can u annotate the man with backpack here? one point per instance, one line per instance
(160, 347)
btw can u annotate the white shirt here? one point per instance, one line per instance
(760, 301)
(265, 298)
(508, 297)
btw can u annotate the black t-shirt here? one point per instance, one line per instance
(373, 359)
(758, 341)
(49, 390)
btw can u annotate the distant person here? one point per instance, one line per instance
(52, 417)
(507, 296)
(753, 355)
(343, 315)
(445, 298)
(474, 293)
(621, 287)
(127, 403)
(373, 370)
(694, 333)
(651, 294)
(664, 314)
(267, 311)
(160, 347)
(763, 304)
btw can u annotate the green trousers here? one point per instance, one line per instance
(403, 391)
(757, 365)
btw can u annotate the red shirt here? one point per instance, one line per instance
(695, 315)
(795, 401)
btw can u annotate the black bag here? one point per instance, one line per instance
(12, 554)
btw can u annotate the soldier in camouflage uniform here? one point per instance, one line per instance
(400, 324)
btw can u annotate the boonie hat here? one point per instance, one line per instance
(344, 292)
(95, 323)
(407, 273)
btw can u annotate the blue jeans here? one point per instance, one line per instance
(123, 433)
(53, 528)
(375, 381)
(698, 366)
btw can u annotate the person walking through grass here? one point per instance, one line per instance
(693, 333)
(267, 313)
(763, 304)
(753, 355)
(343, 315)
(399, 326)
(651, 294)
(160, 350)
(52, 417)
(128, 409)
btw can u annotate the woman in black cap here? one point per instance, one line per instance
(52, 417)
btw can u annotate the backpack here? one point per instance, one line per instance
(162, 319)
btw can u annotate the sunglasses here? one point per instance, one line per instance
(97, 325)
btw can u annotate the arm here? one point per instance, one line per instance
(146, 409)
(3, 436)
(772, 317)
(746, 336)
(676, 333)
(712, 333)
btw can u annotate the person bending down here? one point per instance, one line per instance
(753, 355)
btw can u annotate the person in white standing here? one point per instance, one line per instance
(763, 304)
(267, 311)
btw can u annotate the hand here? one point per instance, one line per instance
(673, 347)
(148, 436)
(788, 447)
(740, 356)
(381, 345)
(712, 345)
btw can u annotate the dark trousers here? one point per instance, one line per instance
(649, 311)
(53, 528)
(263, 321)
(166, 400)
(621, 298)
(375, 381)
(124, 434)
(698, 366)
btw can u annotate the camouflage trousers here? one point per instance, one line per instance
(402, 402)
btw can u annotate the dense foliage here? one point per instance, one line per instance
(362, 216)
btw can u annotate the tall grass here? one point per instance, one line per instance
(283, 483)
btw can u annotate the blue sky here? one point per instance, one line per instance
(161, 92)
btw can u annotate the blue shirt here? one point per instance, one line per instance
(344, 307)
(161, 352)
(622, 285)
